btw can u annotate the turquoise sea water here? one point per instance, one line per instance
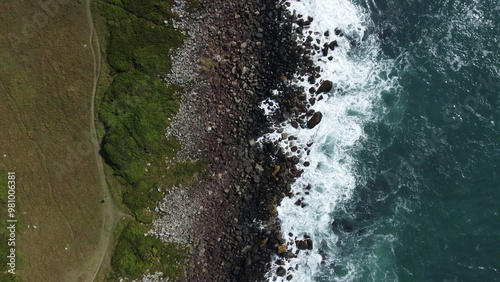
(405, 166)
(440, 142)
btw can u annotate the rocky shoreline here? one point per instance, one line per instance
(235, 54)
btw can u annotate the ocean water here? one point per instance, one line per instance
(404, 174)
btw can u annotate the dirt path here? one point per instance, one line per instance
(111, 214)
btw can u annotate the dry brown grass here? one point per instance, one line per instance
(45, 97)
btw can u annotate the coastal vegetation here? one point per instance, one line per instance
(136, 106)
(136, 253)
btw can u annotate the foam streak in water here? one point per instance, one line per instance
(359, 76)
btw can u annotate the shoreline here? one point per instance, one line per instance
(231, 62)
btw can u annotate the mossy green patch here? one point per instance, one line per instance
(137, 42)
(136, 253)
(192, 5)
(135, 109)
(156, 11)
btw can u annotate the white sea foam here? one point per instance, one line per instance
(359, 75)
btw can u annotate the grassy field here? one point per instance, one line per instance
(46, 79)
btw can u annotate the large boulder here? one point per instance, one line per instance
(314, 120)
(281, 271)
(333, 44)
(325, 87)
(309, 244)
(301, 245)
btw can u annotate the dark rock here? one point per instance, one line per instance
(309, 244)
(325, 51)
(314, 120)
(301, 245)
(281, 271)
(325, 87)
(248, 169)
(302, 108)
(256, 178)
(333, 44)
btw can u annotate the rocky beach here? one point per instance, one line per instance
(236, 54)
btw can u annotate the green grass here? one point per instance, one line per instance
(138, 43)
(135, 109)
(155, 11)
(136, 253)
(192, 5)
